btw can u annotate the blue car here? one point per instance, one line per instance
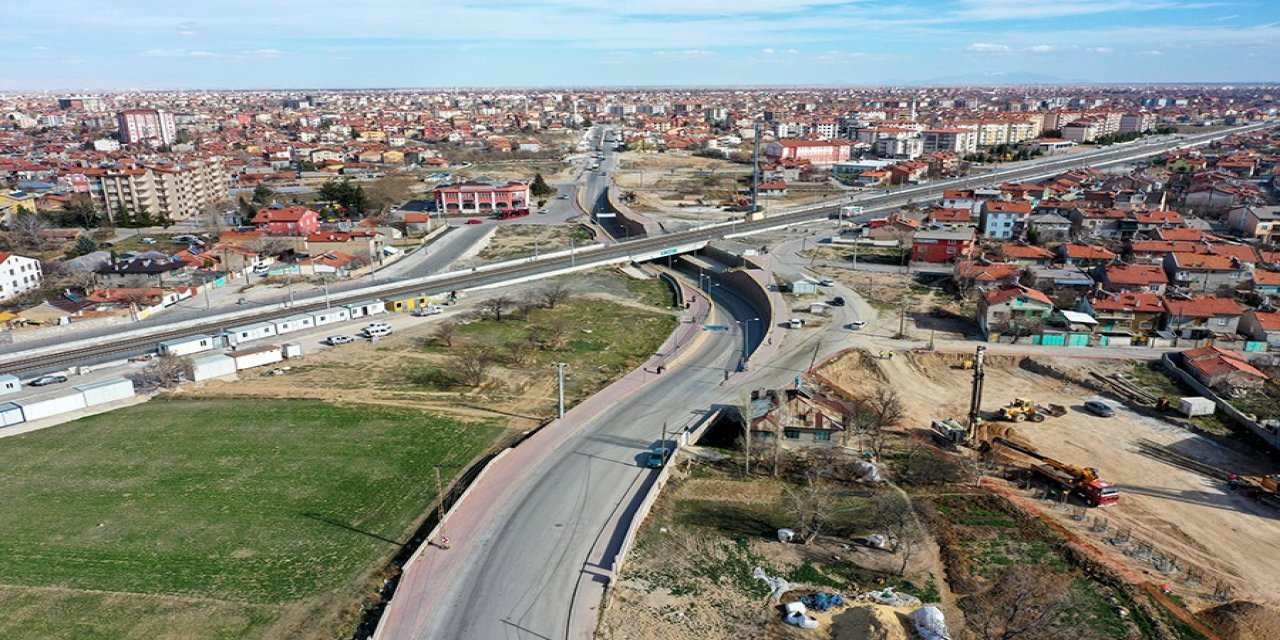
(1100, 409)
(657, 457)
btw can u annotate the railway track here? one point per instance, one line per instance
(112, 348)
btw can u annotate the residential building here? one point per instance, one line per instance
(1049, 227)
(1258, 222)
(478, 197)
(1024, 254)
(1085, 255)
(804, 418)
(1134, 278)
(11, 202)
(1125, 314)
(1223, 370)
(1205, 273)
(1266, 282)
(18, 275)
(954, 139)
(1012, 309)
(942, 245)
(142, 271)
(288, 221)
(1002, 220)
(147, 125)
(177, 191)
(1263, 326)
(1193, 317)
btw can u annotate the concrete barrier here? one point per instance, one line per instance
(1268, 435)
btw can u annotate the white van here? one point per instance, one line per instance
(376, 330)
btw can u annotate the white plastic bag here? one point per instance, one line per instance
(930, 623)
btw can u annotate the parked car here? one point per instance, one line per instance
(475, 221)
(334, 341)
(148, 241)
(657, 457)
(855, 325)
(428, 310)
(837, 301)
(43, 381)
(376, 330)
(563, 196)
(542, 210)
(827, 282)
(1100, 409)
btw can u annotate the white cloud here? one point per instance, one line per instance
(685, 53)
(1100, 50)
(768, 52)
(204, 54)
(791, 52)
(1151, 52)
(267, 53)
(1041, 9)
(1042, 48)
(987, 47)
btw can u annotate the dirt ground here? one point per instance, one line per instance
(519, 240)
(663, 182)
(1228, 538)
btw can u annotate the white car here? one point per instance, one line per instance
(334, 341)
(148, 241)
(855, 325)
(827, 282)
(376, 330)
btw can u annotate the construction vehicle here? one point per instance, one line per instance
(1083, 481)
(1022, 409)
(1264, 489)
(949, 433)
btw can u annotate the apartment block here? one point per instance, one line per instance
(178, 191)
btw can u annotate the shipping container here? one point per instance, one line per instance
(295, 323)
(258, 357)
(239, 335)
(186, 345)
(10, 414)
(106, 391)
(214, 366)
(366, 308)
(292, 350)
(1196, 406)
(331, 316)
(51, 405)
(9, 384)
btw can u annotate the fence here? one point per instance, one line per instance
(1267, 433)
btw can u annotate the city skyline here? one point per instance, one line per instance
(396, 43)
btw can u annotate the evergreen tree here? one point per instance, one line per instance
(123, 218)
(262, 194)
(84, 246)
(143, 219)
(540, 187)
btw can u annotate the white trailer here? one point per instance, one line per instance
(10, 414)
(105, 391)
(366, 308)
(292, 350)
(331, 316)
(214, 366)
(186, 346)
(9, 383)
(257, 331)
(1196, 406)
(299, 322)
(258, 357)
(51, 405)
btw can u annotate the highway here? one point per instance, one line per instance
(107, 344)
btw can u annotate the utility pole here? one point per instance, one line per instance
(443, 540)
(902, 322)
(755, 168)
(560, 375)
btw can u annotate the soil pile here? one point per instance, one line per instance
(1243, 620)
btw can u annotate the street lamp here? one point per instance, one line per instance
(746, 340)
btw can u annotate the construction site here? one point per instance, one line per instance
(1188, 517)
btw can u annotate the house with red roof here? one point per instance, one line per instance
(1024, 254)
(1223, 370)
(942, 246)
(987, 275)
(1265, 282)
(1012, 309)
(1125, 314)
(1263, 326)
(287, 221)
(1004, 219)
(1199, 315)
(951, 218)
(1085, 255)
(1205, 272)
(1138, 278)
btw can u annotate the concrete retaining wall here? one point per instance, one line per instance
(1268, 434)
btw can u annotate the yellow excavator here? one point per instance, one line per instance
(1022, 409)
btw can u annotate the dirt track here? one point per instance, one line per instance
(1178, 512)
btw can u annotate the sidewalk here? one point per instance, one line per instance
(426, 576)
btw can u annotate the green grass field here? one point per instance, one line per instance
(270, 514)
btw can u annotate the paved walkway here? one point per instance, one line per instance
(427, 574)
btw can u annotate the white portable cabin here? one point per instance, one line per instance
(292, 350)
(366, 308)
(105, 391)
(331, 316)
(44, 406)
(294, 323)
(214, 366)
(9, 383)
(186, 345)
(258, 357)
(10, 414)
(238, 335)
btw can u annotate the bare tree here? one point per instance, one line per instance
(496, 306)
(472, 362)
(269, 246)
(25, 228)
(524, 306)
(445, 332)
(386, 193)
(874, 415)
(811, 507)
(518, 353)
(552, 294)
(745, 409)
(1024, 601)
(552, 336)
(894, 514)
(169, 370)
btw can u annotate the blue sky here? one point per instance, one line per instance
(154, 44)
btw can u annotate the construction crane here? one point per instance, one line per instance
(1080, 480)
(975, 397)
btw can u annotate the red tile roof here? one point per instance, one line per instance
(1206, 307)
(287, 214)
(1135, 302)
(1024, 251)
(1136, 274)
(1213, 361)
(1204, 262)
(1009, 292)
(1087, 252)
